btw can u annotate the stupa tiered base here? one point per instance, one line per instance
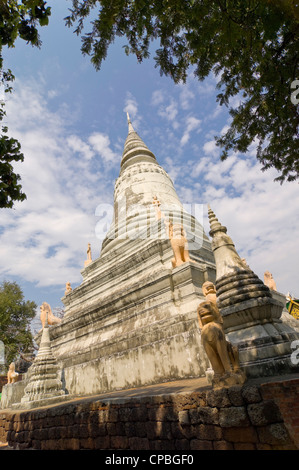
(39, 403)
(133, 320)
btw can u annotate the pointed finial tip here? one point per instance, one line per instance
(131, 128)
(215, 225)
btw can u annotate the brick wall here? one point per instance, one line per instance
(251, 417)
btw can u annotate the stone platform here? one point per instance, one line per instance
(185, 415)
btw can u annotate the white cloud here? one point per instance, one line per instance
(199, 167)
(192, 124)
(78, 145)
(210, 148)
(52, 94)
(186, 97)
(224, 129)
(131, 105)
(157, 97)
(172, 168)
(214, 114)
(101, 144)
(169, 112)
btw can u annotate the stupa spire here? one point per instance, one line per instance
(130, 126)
(141, 179)
(226, 257)
(135, 150)
(45, 344)
(215, 225)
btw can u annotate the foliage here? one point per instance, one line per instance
(17, 20)
(250, 45)
(15, 317)
(10, 188)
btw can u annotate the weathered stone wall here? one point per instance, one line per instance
(12, 393)
(253, 417)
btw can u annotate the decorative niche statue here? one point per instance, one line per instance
(45, 310)
(223, 356)
(12, 375)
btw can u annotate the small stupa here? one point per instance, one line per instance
(44, 384)
(251, 315)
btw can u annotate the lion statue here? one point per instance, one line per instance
(269, 281)
(12, 375)
(46, 313)
(179, 244)
(223, 356)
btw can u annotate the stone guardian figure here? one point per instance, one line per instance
(89, 256)
(179, 244)
(269, 281)
(221, 354)
(45, 311)
(12, 375)
(68, 288)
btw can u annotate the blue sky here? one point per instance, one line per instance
(71, 122)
